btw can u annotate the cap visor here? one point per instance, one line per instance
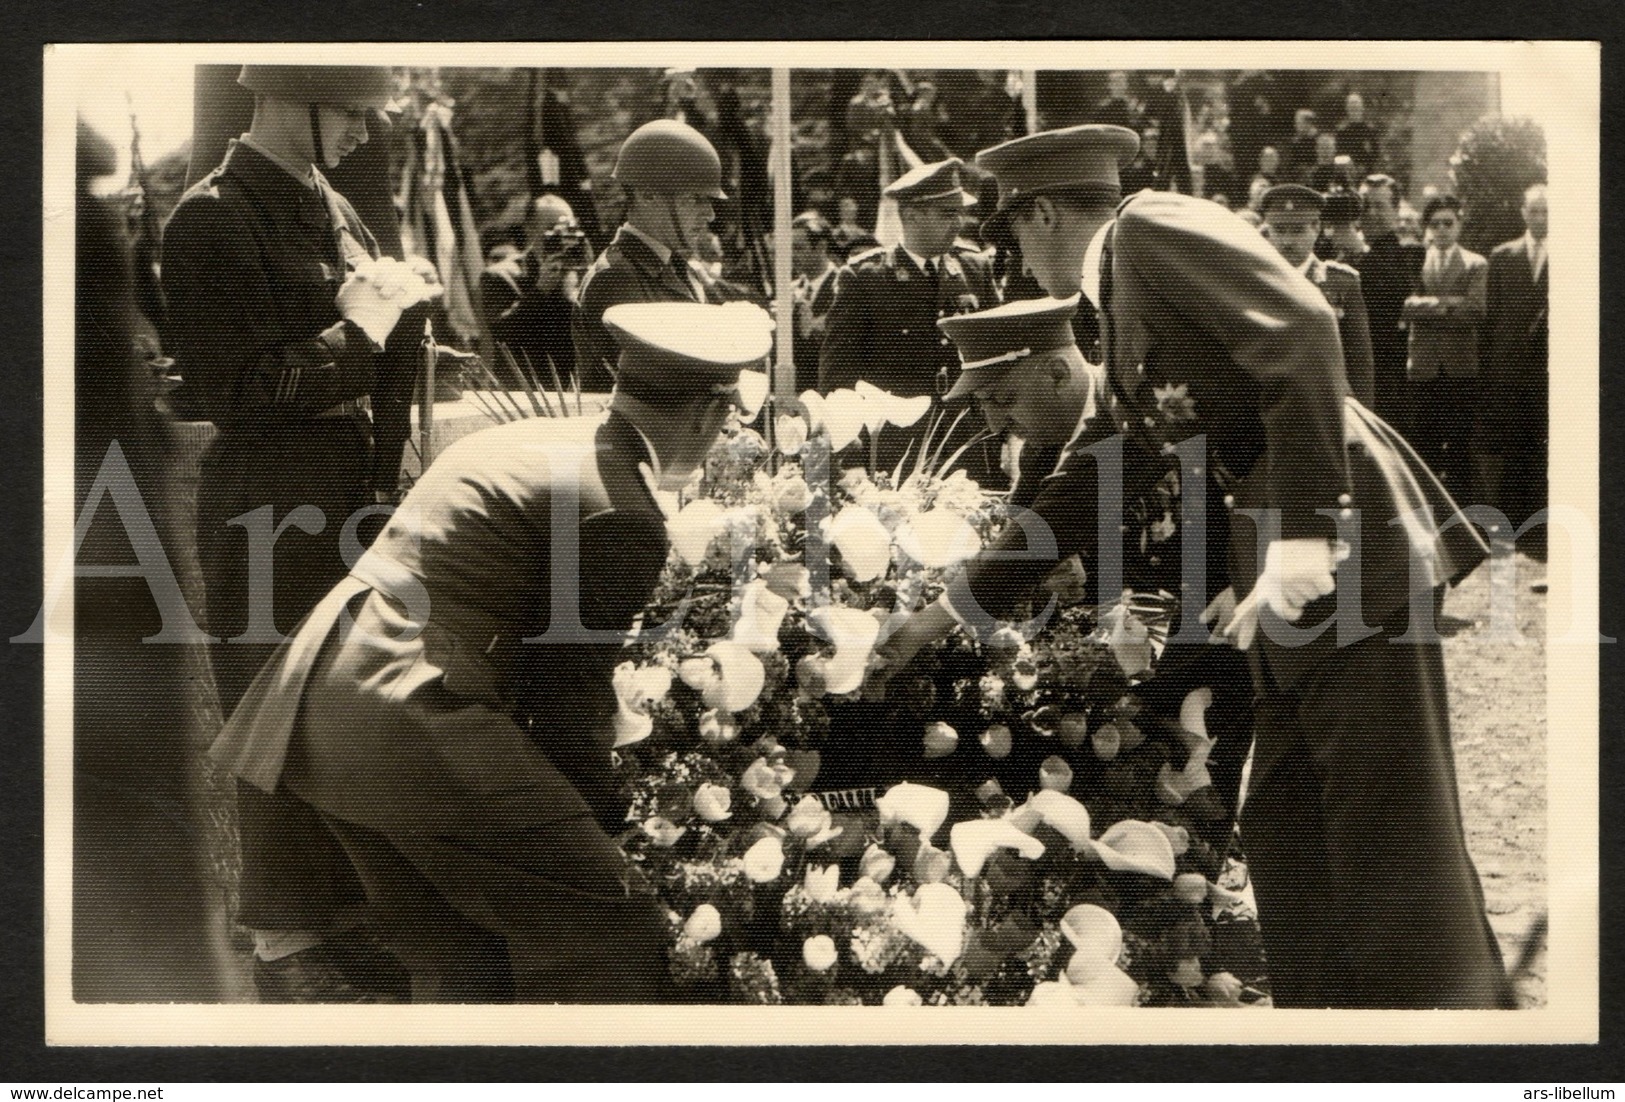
(969, 381)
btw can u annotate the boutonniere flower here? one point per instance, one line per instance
(923, 808)
(1175, 403)
(968, 304)
(637, 689)
(974, 840)
(728, 676)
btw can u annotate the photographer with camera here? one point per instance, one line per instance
(528, 296)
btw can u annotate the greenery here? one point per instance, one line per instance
(1498, 159)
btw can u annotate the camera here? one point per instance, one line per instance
(566, 242)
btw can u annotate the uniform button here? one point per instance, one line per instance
(905, 332)
(1150, 421)
(944, 340)
(1345, 500)
(1345, 514)
(1229, 501)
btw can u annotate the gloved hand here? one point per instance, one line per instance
(376, 291)
(1295, 573)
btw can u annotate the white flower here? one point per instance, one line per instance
(1129, 640)
(765, 780)
(883, 407)
(843, 416)
(934, 918)
(808, 818)
(1052, 994)
(813, 403)
(692, 530)
(932, 864)
(765, 860)
(1176, 787)
(717, 728)
(1024, 671)
(819, 953)
(704, 925)
(1190, 887)
(1063, 814)
(1135, 846)
(791, 433)
(728, 677)
(1094, 933)
(637, 689)
(938, 539)
(877, 864)
(791, 496)
(923, 808)
(901, 996)
(761, 611)
(854, 633)
(1193, 711)
(1111, 987)
(974, 841)
(940, 740)
(790, 580)
(867, 896)
(863, 542)
(663, 832)
(822, 884)
(712, 802)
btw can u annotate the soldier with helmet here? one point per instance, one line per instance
(672, 177)
(278, 306)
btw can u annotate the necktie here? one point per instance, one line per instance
(679, 267)
(931, 270)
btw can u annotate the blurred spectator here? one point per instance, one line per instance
(1303, 152)
(922, 124)
(1255, 121)
(1340, 219)
(1388, 271)
(528, 296)
(811, 241)
(1356, 138)
(1444, 316)
(1269, 171)
(1145, 172)
(1510, 437)
(1408, 224)
(851, 236)
(1164, 111)
(1218, 173)
(1117, 109)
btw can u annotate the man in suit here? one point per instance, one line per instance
(1292, 212)
(882, 326)
(529, 297)
(672, 176)
(448, 709)
(811, 239)
(1444, 315)
(1510, 436)
(1388, 274)
(279, 308)
(1217, 351)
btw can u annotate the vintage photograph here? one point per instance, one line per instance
(565, 531)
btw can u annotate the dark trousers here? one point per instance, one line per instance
(1367, 897)
(540, 915)
(1443, 410)
(294, 875)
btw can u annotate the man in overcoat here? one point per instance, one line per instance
(1220, 356)
(277, 312)
(882, 326)
(672, 177)
(448, 708)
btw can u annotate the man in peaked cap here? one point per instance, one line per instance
(1293, 214)
(448, 708)
(672, 177)
(278, 307)
(1217, 351)
(882, 326)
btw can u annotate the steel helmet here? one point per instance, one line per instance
(670, 158)
(343, 86)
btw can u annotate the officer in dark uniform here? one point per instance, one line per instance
(278, 305)
(449, 708)
(529, 297)
(882, 327)
(672, 176)
(1293, 212)
(1352, 824)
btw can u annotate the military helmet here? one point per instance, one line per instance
(670, 158)
(343, 86)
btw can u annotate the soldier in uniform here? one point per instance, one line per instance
(278, 307)
(882, 327)
(529, 298)
(449, 707)
(672, 176)
(1293, 212)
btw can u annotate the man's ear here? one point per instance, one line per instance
(1060, 373)
(1044, 212)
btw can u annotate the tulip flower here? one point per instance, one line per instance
(637, 689)
(1107, 741)
(1187, 973)
(1063, 814)
(763, 779)
(790, 580)
(808, 817)
(854, 633)
(704, 925)
(1135, 846)
(843, 417)
(717, 728)
(712, 802)
(765, 860)
(818, 953)
(791, 496)
(901, 996)
(866, 896)
(877, 864)
(728, 677)
(974, 841)
(863, 542)
(1190, 887)
(940, 740)
(1072, 730)
(663, 832)
(934, 918)
(761, 611)
(812, 403)
(822, 884)
(931, 864)
(1129, 640)
(997, 741)
(1055, 774)
(692, 529)
(938, 539)
(790, 432)
(923, 808)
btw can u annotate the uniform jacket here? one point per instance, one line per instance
(1444, 315)
(1515, 333)
(628, 270)
(1209, 332)
(431, 714)
(527, 320)
(1341, 286)
(252, 262)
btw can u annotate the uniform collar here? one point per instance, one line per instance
(307, 176)
(661, 250)
(920, 261)
(1307, 269)
(276, 187)
(1091, 264)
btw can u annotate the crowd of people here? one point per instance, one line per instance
(423, 813)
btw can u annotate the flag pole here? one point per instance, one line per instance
(784, 368)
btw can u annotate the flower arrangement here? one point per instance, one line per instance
(1008, 827)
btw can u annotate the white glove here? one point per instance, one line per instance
(1295, 573)
(376, 292)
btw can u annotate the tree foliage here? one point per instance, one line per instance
(1498, 160)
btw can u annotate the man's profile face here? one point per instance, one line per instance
(1534, 212)
(929, 229)
(343, 130)
(805, 258)
(1035, 400)
(1045, 251)
(1293, 235)
(680, 221)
